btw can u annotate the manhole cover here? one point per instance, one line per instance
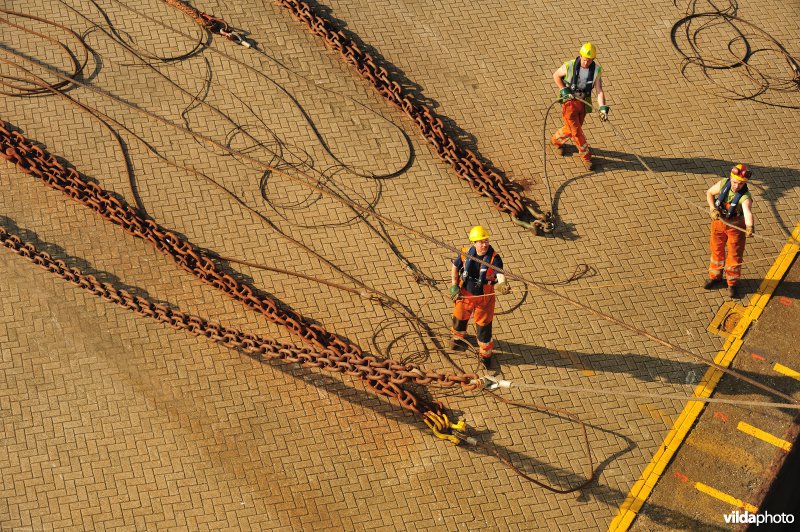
(730, 322)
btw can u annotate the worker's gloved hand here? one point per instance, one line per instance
(749, 230)
(455, 292)
(565, 94)
(502, 288)
(604, 109)
(714, 213)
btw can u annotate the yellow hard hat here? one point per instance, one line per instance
(478, 233)
(740, 172)
(588, 51)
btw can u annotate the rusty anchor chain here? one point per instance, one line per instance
(483, 179)
(384, 379)
(210, 23)
(326, 351)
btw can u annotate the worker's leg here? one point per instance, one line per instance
(574, 116)
(564, 134)
(735, 255)
(462, 311)
(484, 315)
(717, 243)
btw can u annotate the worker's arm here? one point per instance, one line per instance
(749, 219)
(711, 195)
(559, 75)
(453, 275)
(601, 97)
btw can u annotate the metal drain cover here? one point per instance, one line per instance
(730, 321)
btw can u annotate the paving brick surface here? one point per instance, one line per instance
(114, 421)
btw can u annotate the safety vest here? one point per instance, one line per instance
(732, 209)
(571, 79)
(486, 275)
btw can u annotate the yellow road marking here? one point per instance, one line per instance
(783, 370)
(647, 481)
(764, 436)
(724, 497)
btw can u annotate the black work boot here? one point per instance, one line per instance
(733, 292)
(458, 344)
(487, 362)
(710, 283)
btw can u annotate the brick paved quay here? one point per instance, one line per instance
(112, 420)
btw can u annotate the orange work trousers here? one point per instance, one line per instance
(731, 240)
(482, 307)
(574, 113)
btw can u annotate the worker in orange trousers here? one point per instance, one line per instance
(576, 79)
(473, 286)
(732, 221)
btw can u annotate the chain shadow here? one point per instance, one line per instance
(328, 383)
(59, 253)
(416, 93)
(362, 398)
(771, 183)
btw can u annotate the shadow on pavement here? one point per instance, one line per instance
(643, 368)
(769, 183)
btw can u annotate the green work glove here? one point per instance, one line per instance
(502, 288)
(714, 213)
(455, 292)
(749, 230)
(565, 94)
(604, 109)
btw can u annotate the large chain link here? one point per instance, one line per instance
(330, 352)
(483, 179)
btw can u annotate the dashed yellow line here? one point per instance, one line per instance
(783, 370)
(764, 436)
(724, 497)
(647, 481)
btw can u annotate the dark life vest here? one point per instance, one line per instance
(732, 209)
(571, 79)
(485, 274)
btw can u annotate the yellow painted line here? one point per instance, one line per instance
(764, 436)
(789, 372)
(652, 472)
(724, 497)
